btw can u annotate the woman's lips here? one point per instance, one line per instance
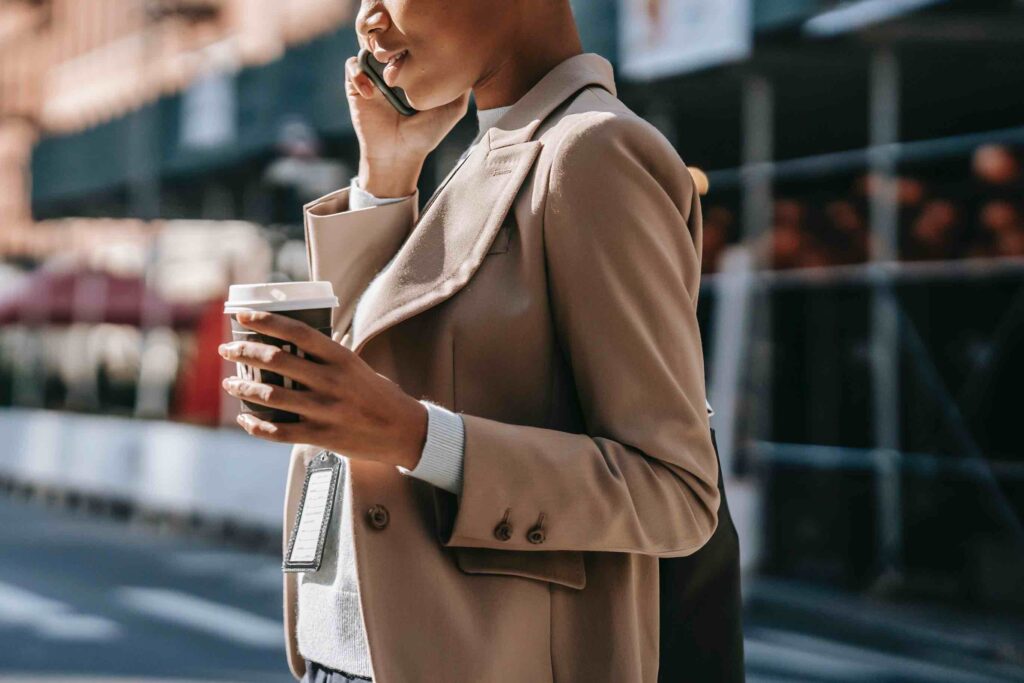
(390, 72)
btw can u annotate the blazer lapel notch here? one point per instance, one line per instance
(451, 238)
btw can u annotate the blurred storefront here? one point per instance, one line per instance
(115, 120)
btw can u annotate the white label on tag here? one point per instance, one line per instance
(307, 537)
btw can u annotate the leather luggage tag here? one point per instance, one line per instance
(306, 545)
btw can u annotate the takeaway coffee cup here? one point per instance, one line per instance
(310, 301)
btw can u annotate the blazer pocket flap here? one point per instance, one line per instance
(564, 567)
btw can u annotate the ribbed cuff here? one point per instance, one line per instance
(358, 198)
(441, 461)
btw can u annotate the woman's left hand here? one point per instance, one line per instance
(347, 408)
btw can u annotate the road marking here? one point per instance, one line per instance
(50, 618)
(223, 621)
(248, 570)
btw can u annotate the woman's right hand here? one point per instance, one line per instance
(392, 147)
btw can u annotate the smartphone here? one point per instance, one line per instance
(374, 69)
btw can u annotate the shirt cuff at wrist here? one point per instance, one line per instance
(443, 453)
(358, 198)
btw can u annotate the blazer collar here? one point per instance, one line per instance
(520, 122)
(455, 230)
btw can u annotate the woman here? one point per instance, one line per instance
(515, 376)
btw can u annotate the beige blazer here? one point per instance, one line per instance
(548, 293)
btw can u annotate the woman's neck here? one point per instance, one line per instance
(548, 38)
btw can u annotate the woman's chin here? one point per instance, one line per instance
(422, 97)
(420, 100)
(414, 101)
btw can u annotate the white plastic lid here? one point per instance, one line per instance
(280, 296)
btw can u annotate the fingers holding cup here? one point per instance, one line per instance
(266, 359)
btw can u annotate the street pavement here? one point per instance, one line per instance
(106, 600)
(85, 599)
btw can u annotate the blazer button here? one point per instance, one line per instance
(503, 531)
(378, 516)
(535, 535)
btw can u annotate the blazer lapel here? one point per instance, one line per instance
(449, 241)
(453, 233)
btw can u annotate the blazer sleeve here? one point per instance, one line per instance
(348, 247)
(622, 243)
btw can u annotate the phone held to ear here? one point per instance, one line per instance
(374, 69)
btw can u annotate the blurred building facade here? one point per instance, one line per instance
(68, 65)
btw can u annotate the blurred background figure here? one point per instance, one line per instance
(861, 310)
(299, 174)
